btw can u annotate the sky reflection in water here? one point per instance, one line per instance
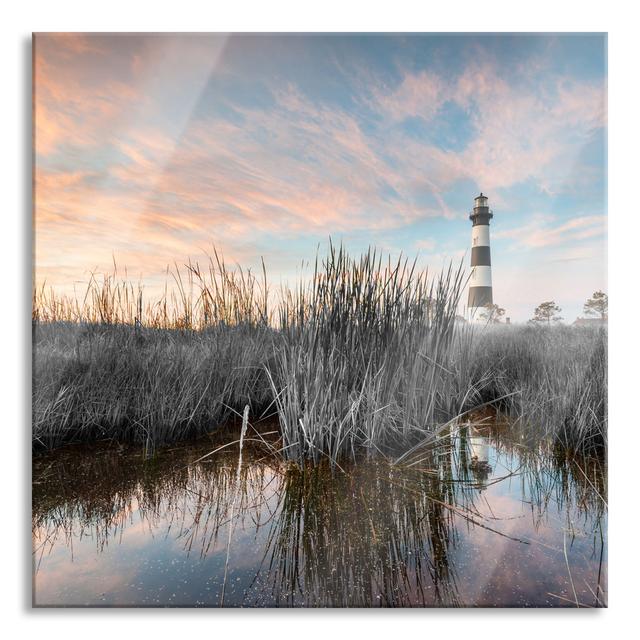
(477, 522)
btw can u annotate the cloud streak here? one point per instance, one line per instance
(538, 234)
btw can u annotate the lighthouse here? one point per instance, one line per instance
(480, 289)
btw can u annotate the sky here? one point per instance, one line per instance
(152, 149)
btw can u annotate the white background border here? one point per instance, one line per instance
(21, 18)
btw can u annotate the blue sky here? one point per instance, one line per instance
(154, 148)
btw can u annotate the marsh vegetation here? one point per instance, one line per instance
(365, 355)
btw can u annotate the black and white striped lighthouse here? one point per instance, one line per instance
(480, 290)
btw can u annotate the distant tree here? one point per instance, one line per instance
(597, 304)
(492, 313)
(547, 312)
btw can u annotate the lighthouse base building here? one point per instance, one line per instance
(480, 287)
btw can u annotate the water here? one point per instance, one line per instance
(477, 521)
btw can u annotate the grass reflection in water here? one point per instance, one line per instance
(476, 520)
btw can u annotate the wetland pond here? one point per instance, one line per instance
(478, 520)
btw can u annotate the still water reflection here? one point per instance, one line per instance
(475, 521)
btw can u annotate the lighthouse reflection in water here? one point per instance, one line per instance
(479, 456)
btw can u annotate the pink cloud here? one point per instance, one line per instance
(537, 234)
(520, 132)
(418, 95)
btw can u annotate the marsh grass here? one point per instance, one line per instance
(553, 380)
(364, 356)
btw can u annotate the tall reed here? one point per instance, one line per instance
(363, 347)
